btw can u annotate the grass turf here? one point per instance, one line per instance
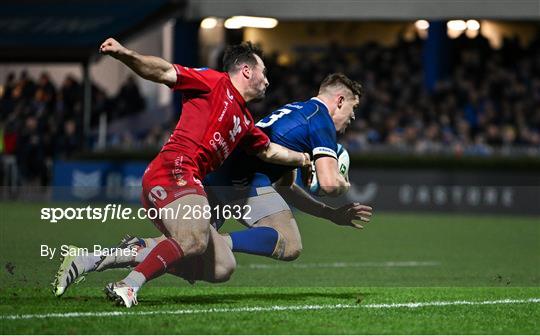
(398, 258)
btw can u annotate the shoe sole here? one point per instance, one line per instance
(112, 296)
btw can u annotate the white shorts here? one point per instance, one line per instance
(267, 202)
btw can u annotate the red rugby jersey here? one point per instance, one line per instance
(214, 120)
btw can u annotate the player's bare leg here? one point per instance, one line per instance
(273, 231)
(215, 265)
(191, 233)
(185, 238)
(289, 243)
(275, 236)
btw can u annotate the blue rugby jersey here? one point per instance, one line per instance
(300, 126)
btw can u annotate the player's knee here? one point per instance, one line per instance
(288, 248)
(224, 271)
(293, 251)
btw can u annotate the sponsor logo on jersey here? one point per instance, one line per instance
(220, 146)
(157, 192)
(177, 171)
(246, 120)
(225, 107)
(295, 106)
(226, 104)
(229, 95)
(236, 129)
(180, 181)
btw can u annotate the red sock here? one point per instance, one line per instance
(164, 255)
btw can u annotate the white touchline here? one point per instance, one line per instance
(335, 264)
(266, 309)
(339, 264)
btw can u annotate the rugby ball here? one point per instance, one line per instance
(343, 167)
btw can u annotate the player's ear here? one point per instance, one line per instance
(246, 71)
(341, 100)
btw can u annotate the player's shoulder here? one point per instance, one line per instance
(204, 71)
(306, 105)
(318, 112)
(305, 108)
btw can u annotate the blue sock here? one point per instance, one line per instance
(258, 240)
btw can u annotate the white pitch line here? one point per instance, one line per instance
(335, 264)
(266, 309)
(450, 303)
(345, 264)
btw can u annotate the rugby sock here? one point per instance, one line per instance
(142, 254)
(135, 280)
(148, 245)
(89, 261)
(258, 240)
(149, 242)
(164, 255)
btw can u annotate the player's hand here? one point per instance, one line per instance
(112, 48)
(307, 174)
(307, 160)
(352, 214)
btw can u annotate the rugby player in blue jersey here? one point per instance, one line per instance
(266, 189)
(310, 126)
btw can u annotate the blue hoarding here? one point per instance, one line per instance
(97, 181)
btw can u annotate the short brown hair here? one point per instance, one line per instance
(339, 79)
(237, 54)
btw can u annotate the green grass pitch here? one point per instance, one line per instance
(405, 273)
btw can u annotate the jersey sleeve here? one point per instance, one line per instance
(322, 137)
(255, 140)
(195, 79)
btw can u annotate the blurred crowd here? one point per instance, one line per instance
(40, 122)
(489, 101)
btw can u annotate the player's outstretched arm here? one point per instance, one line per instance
(348, 215)
(294, 195)
(352, 214)
(278, 154)
(151, 68)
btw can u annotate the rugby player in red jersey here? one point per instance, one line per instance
(214, 121)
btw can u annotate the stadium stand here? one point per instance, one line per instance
(489, 103)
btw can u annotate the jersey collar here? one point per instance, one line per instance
(320, 101)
